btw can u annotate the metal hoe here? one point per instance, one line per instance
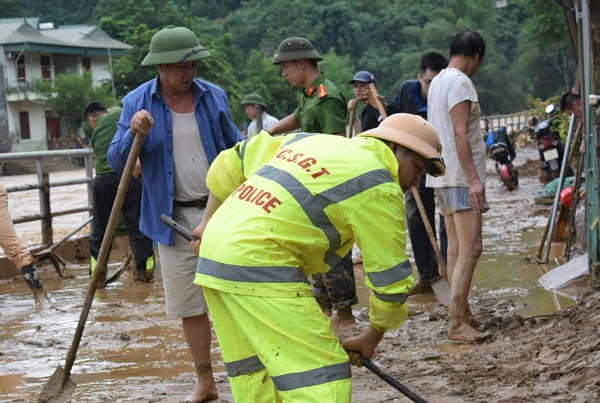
(391, 380)
(60, 385)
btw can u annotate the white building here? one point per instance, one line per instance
(27, 54)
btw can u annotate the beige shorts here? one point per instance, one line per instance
(178, 267)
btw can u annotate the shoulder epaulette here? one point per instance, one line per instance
(322, 91)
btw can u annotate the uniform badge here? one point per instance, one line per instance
(322, 91)
(310, 90)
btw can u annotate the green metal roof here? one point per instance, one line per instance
(19, 35)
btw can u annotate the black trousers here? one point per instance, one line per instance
(425, 260)
(105, 192)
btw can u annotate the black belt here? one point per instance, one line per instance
(198, 203)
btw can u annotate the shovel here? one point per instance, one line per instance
(440, 285)
(391, 380)
(60, 385)
(351, 123)
(49, 254)
(179, 230)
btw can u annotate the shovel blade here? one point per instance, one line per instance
(54, 391)
(442, 290)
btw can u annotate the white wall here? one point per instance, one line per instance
(37, 125)
(37, 116)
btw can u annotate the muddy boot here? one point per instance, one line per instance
(142, 277)
(31, 277)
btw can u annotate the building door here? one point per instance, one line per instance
(46, 68)
(53, 129)
(24, 122)
(21, 69)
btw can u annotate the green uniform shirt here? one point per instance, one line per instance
(106, 128)
(322, 108)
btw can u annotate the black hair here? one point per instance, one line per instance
(93, 109)
(467, 42)
(566, 101)
(433, 61)
(314, 63)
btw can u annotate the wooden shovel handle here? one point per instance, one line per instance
(438, 255)
(103, 253)
(351, 123)
(378, 103)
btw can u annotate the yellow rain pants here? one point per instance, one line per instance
(279, 349)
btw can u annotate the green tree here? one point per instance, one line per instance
(60, 12)
(121, 20)
(9, 9)
(68, 94)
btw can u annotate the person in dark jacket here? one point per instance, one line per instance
(411, 97)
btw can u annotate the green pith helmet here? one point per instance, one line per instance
(295, 49)
(174, 45)
(254, 99)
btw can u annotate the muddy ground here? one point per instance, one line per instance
(544, 347)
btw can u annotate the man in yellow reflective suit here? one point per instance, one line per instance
(287, 207)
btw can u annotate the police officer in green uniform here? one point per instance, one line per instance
(321, 110)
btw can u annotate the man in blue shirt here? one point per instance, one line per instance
(186, 123)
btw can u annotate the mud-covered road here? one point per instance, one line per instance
(131, 352)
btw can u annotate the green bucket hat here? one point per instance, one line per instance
(295, 49)
(174, 45)
(254, 99)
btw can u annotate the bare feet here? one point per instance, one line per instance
(206, 389)
(326, 310)
(201, 394)
(41, 298)
(465, 333)
(343, 316)
(471, 321)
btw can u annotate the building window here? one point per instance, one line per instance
(21, 69)
(86, 63)
(24, 120)
(46, 67)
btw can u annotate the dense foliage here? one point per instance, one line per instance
(528, 50)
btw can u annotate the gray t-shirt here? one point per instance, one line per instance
(191, 164)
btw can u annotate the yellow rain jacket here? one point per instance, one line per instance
(294, 205)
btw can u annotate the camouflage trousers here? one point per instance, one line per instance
(336, 289)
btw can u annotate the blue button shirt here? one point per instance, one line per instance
(217, 132)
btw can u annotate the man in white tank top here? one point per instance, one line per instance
(186, 123)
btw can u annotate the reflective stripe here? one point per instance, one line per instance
(244, 367)
(93, 263)
(251, 274)
(391, 297)
(313, 377)
(314, 206)
(299, 137)
(150, 263)
(390, 276)
(242, 150)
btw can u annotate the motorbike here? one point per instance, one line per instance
(503, 153)
(550, 147)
